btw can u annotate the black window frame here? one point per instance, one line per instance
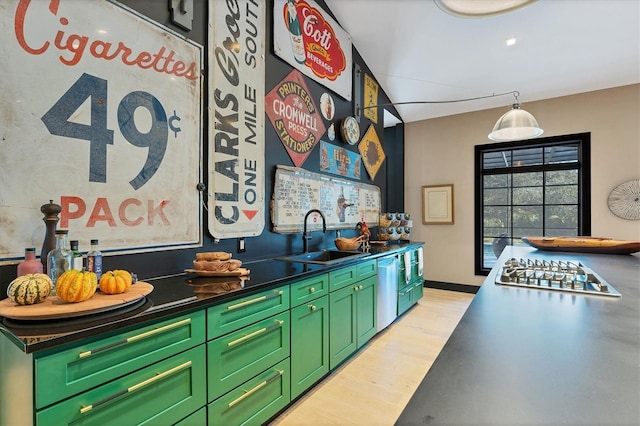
(583, 142)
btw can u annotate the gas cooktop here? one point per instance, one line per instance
(559, 275)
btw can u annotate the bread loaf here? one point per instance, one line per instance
(213, 255)
(217, 265)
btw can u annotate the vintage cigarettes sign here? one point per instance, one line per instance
(308, 39)
(295, 117)
(100, 112)
(236, 118)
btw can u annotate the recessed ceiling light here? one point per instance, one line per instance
(482, 8)
(511, 41)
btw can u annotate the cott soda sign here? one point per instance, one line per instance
(311, 41)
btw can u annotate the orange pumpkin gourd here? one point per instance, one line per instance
(76, 286)
(115, 282)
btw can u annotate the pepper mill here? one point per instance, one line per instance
(50, 219)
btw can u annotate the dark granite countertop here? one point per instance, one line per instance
(171, 296)
(540, 357)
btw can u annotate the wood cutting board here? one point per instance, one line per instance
(54, 307)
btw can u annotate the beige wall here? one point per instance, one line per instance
(441, 151)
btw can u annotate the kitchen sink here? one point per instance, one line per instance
(324, 257)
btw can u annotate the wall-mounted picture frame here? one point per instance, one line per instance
(437, 205)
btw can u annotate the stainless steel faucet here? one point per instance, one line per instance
(305, 235)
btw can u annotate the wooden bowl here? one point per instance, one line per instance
(347, 244)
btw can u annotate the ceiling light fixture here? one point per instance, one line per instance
(480, 8)
(511, 41)
(516, 124)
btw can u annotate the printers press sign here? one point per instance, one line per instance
(295, 117)
(236, 118)
(312, 42)
(100, 112)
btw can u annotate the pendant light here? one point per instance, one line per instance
(515, 125)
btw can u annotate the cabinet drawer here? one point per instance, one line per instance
(417, 291)
(162, 393)
(238, 356)
(254, 402)
(309, 289)
(75, 370)
(342, 277)
(404, 299)
(230, 316)
(366, 269)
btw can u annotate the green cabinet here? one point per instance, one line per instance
(162, 393)
(255, 401)
(352, 320)
(366, 310)
(410, 280)
(309, 344)
(242, 354)
(68, 372)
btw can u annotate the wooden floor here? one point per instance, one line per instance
(373, 387)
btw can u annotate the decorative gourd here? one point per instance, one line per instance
(115, 282)
(76, 286)
(30, 289)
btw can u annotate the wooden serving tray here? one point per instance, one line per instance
(584, 244)
(240, 272)
(54, 307)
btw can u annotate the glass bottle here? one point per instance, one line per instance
(295, 33)
(59, 259)
(77, 256)
(30, 265)
(94, 259)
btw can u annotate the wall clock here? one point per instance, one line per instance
(624, 200)
(350, 130)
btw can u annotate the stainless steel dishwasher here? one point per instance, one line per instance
(387, 291)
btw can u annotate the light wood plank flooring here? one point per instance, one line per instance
(373, 387)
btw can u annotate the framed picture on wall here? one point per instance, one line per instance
(437, 205)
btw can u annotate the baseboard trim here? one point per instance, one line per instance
(463, 288)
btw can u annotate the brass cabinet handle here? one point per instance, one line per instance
(256, 388)
(255, 333)
(87, 408)
(134, 338)
(312, 307)
(312, 290)
(252, 301)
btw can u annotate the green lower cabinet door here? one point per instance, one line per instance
(309, 344)
(417, 291)
(342, 325)
(254, 402)
(404, 299)
(366, 310)
(161, 394)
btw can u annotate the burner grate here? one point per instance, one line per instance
(559, 275)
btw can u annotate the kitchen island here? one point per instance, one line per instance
(540, 357)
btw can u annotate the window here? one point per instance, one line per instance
(539, 187)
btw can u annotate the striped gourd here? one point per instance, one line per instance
(76, 286)
(29, 289)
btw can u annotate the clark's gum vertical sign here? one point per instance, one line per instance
(309, 40)
(101, 113)
(236, 118)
